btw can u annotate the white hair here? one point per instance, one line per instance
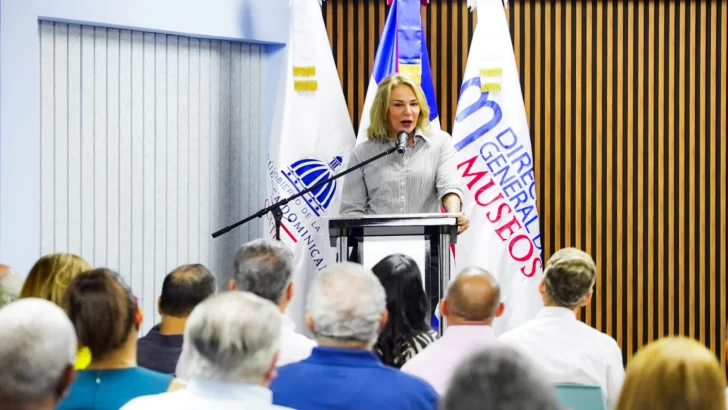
(10, 286)
(346, 302)
(230, 337)
(264, 268)
(37, 344)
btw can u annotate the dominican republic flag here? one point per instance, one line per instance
(311, 139)
(495, 160)
(402, 49)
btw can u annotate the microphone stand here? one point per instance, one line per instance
(275, 209)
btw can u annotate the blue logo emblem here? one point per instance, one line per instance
(308, 172)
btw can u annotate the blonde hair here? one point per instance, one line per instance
(379, 128)
(569, 275)
(50, 276)
(673, 373)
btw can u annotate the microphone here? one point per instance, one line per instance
(402, 141)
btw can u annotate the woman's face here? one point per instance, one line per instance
(404, 110)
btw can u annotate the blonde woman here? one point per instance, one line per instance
(421, 180)
(673, 373)
(49, 278)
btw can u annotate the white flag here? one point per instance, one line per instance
(495, 160)
(311, 139)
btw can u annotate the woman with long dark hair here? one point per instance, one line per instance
(407, 331)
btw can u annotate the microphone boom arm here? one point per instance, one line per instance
(276, 207)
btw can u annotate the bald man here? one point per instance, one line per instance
(470, 306)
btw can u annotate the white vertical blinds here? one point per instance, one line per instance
(149, 143)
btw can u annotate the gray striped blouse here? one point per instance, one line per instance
(409, 183)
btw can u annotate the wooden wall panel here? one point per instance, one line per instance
(626, 102)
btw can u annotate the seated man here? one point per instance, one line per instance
(10, 285)
(499, 377)
(37, 351)
(471, 304)
(265, 268)
(230, 351)
(569, 350)
(346, 311)
(182, 290)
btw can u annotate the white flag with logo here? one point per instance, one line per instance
(311, 140)
(495, 160)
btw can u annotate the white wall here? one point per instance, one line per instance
(149, 142)
(253, 21)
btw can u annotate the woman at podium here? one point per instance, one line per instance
(423, 179)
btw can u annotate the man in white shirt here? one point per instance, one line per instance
(265, 268)
(471, 304)
(568, 350)
(37, 349)
(230, 350)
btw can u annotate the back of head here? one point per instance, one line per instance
(474, 295)
(407, 303)
(102, 309)
(499, 377)
(231, 337)
(184, 288)
(346, 302)
(50, 276)
(569, 275)
(37, 344)
(10, 285)
(264, 268)
(673, 373)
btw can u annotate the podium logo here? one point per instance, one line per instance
(308, 172)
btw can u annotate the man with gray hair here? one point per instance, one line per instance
(470, 306)
(10, 285)
(37, 351)
(569, 350)
(230, 351)
(265, 268)
(346, 311)
(499, 377)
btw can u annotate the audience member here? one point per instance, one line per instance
(107, 319)
(182, 290)
(407, 331)
(471, 304)
(37, 349)
(569, 350)
(500, 378)
(674, 373)
(346, 311)
(230, 350)
(10, 285)
(265, 268)
(49, 278)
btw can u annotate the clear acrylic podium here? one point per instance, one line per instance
(349, 235)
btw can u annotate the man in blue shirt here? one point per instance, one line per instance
(346, 311)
